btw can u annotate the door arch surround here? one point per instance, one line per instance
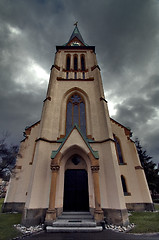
(66, 163)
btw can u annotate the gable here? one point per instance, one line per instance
(126, 130)
(74, 137)
(75, 42)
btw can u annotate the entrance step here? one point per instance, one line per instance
(74, 229)
(75, 215)
(74, 222)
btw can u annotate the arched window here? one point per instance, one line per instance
(66, 75)
(75, 75)
(68, 61)
(118, 150)
(75, 63)
(76, 113)
(82, 63)
(83, 66)
(125, 191)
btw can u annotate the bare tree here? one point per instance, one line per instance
(8, 154)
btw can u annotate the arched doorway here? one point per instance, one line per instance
(76, 190)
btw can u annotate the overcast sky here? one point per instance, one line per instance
(126, 36)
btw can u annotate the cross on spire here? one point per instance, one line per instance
(75, 24)
(76, 38)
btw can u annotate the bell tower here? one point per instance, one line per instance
(75, 73)
(76, 158)
(75, 103)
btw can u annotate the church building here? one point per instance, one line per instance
(77, 158)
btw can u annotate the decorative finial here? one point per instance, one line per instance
(76, 24)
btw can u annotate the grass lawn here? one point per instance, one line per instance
(145, 222)
(156, 206)
(1, 202)
(7, 220)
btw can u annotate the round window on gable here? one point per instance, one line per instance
(76, 159)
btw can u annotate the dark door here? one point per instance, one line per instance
(76, 190)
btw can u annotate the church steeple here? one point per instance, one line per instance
(76, 38)
(76, 131)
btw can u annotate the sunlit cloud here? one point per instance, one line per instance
(32, 75)
(112, 109)
(14, 31)
(41, 75)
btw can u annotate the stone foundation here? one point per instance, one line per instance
(59, 211)
(33, 217)
(13, 207)
(116, 216)
(91, 210)
(140, 207)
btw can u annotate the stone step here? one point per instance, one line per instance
(74, 229)
(75, 216)
(76, 213)
(74, 223)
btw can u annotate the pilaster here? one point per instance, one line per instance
(98, 213)
(51, 212)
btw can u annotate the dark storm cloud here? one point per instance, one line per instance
(126, 36)
(125, 29)
(20, 94)
(141, 114)
(133, 112)
(151, 90)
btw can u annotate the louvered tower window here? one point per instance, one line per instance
(68, 61)
(75, 63)
(83, 66)
(82, 63)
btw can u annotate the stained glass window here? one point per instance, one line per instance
(118, 149)
(124, 184)
(76, 113)
(69, 116)
(82, 118)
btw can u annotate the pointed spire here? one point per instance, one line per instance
(76, 37)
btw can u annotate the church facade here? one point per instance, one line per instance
(77, 158)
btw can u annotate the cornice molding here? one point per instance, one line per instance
(46, 140)
(104, 140)
(73, 79)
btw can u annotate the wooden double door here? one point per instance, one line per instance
(76, 190)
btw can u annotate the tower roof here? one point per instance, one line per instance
(76, 41)
(76, 38)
